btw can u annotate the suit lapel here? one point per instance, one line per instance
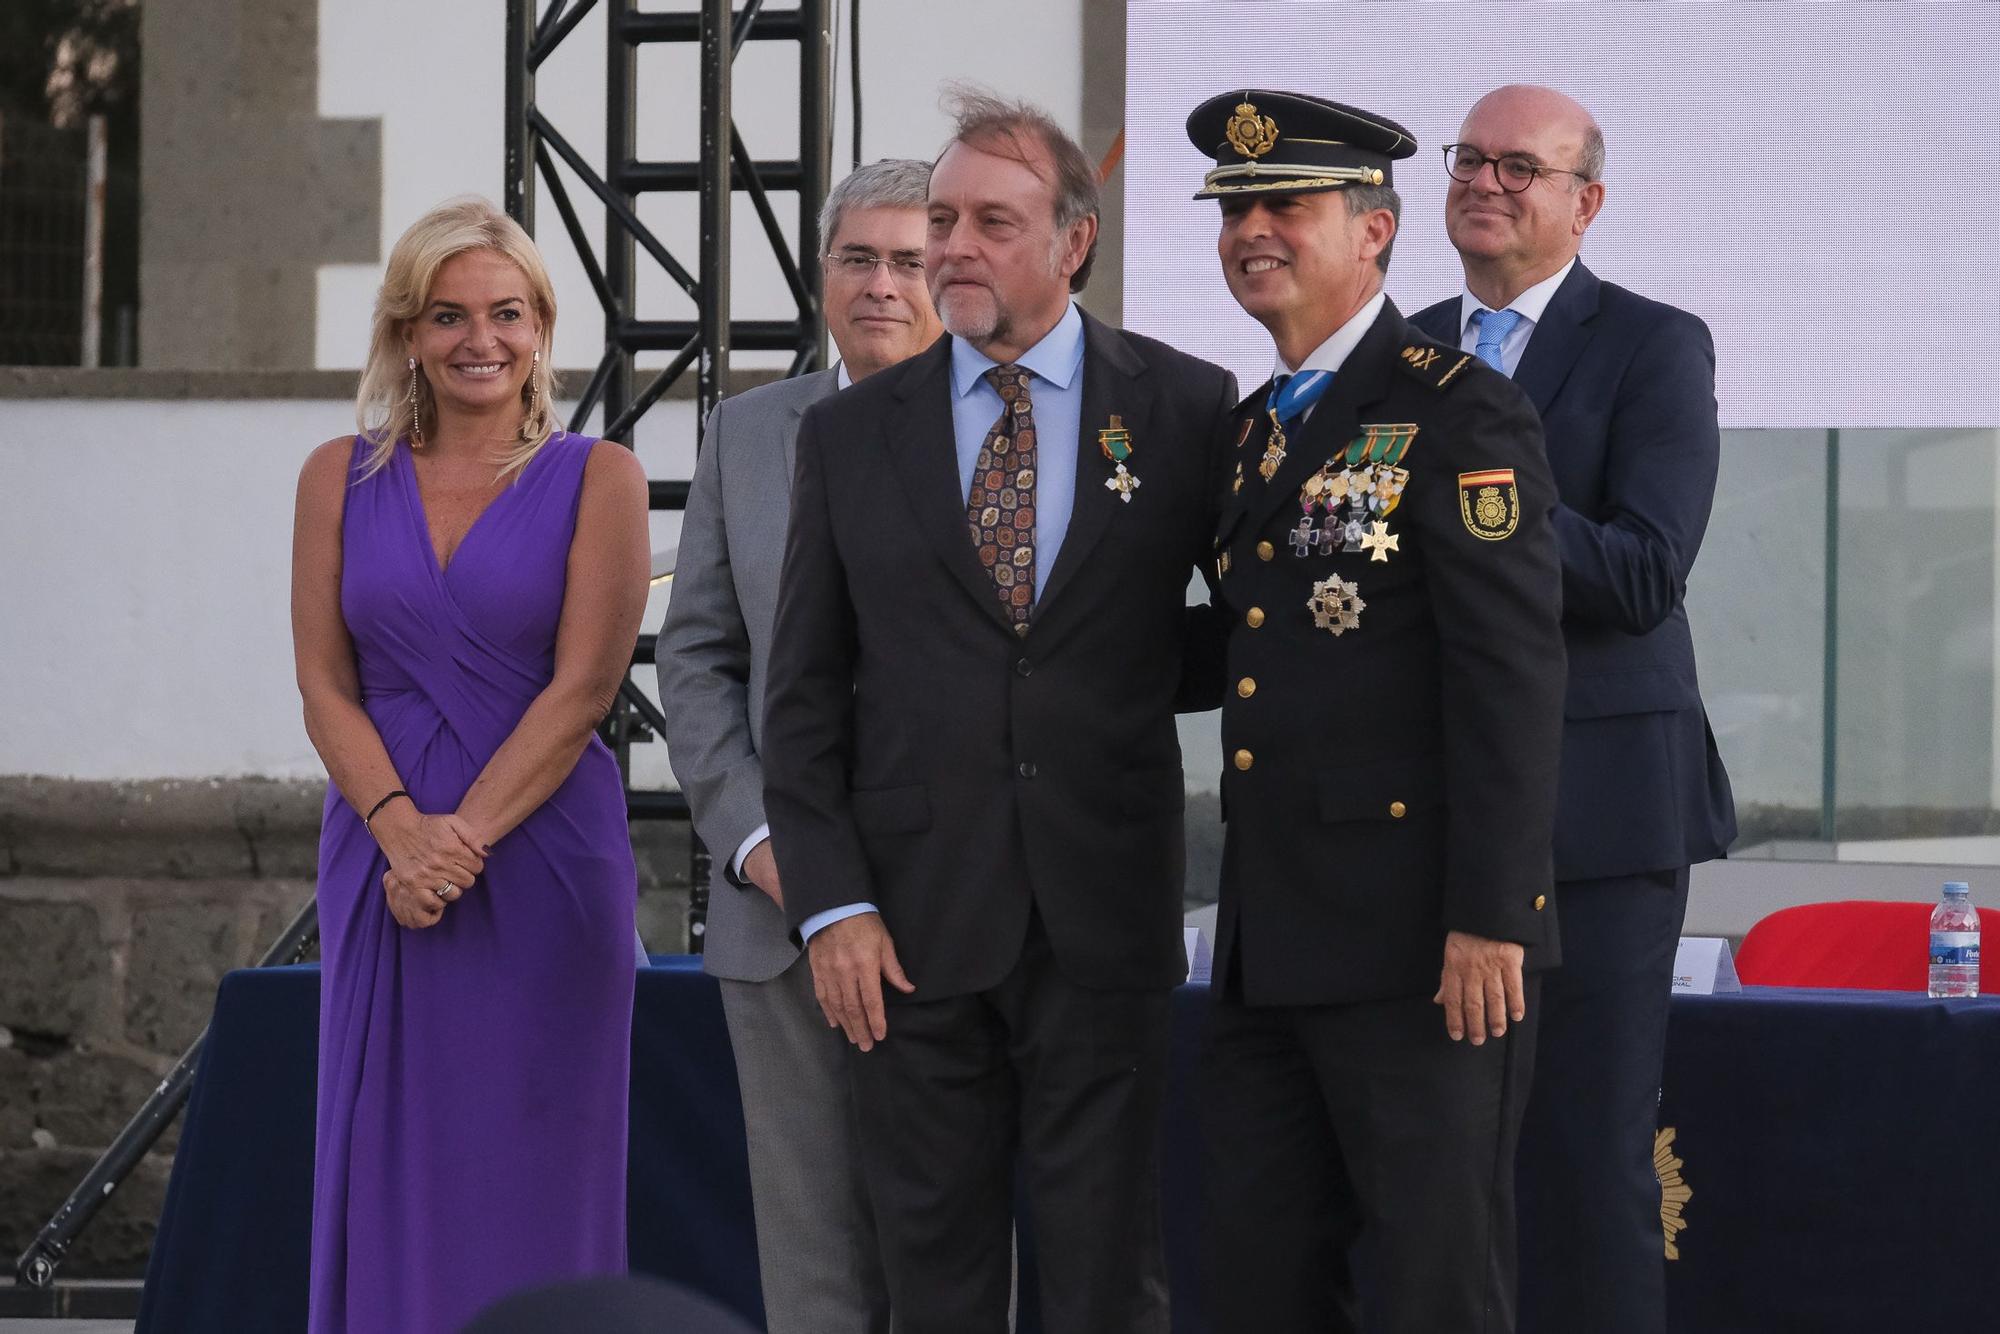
(1558, 338)
(923, 448)
(1248, 428)
(1361, 380)
(1111, 375)
(1443, 322)
(829, 384)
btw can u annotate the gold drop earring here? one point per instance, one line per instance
(416, 414)
(534, 388)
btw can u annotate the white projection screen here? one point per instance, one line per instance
(1818, 181)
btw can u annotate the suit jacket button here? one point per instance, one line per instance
(1254, 617)
(1026, 768)
(1244, 759)
(1246, 688)
(1541, 902)
(1024, 668)
(1397, 810)
(1265, 551)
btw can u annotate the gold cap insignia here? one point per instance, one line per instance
(1250, 134)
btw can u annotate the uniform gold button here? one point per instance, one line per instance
(1397, 810)
(1243, 759)
(1265, 551)
(1254, 617)
(1246, 687)
(1541, 902)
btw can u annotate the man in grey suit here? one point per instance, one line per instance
(816, 1246)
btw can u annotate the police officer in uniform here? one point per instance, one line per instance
(1390, 734)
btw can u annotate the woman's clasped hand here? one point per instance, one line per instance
(433, 859)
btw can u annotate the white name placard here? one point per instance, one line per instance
(1702, 967)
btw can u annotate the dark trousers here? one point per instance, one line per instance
(1329, 1125)
(1593, 1255)
(1069, 1079)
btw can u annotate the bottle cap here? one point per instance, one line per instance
(1957, 887)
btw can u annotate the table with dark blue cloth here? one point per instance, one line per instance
(1832, 1146)
(1840, 1151)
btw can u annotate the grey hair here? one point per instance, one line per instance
(982, 120)
(1591, 165)
(1366, 199)
(894, 182)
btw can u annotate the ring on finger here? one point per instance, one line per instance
(445, 891)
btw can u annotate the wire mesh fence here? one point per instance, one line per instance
(46, 234)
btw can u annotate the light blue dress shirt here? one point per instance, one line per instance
(1056, 392)
(1530, 306)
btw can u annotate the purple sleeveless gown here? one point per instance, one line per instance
(473, 1077)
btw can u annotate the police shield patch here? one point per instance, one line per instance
(1489, 503)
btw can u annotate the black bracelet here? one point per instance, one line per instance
(376, 809)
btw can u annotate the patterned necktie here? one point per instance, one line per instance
(1494, 326)
(1000, 509)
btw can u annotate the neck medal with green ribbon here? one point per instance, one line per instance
(1116, 443)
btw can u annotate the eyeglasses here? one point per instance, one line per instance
(860, 267)
(1514, 171)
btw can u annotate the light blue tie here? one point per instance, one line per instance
(1494, 326)
(1292, 395)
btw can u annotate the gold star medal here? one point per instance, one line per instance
(1336, 605)
(1116, 444)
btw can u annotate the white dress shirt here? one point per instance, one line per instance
(1329, 356)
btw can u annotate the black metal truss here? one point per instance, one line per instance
(724, 167)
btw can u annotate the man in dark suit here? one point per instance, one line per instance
(1626, 392)
(1389, 739)
(817, 1259)
(971, 767)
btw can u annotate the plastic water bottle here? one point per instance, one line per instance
(1955, 943)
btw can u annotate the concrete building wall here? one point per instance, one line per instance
(148, 544)
(245, 191)
(286, 144)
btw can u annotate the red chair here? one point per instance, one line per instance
(1865, 945)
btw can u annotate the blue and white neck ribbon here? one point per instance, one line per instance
(1292, 395)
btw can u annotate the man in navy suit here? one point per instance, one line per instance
(1626, 391)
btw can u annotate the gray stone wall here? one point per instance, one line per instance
(121, 906)
(245, 191)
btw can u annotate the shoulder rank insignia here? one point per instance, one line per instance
(1489, 503)
(1435, 366)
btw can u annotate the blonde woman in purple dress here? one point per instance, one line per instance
(467, 584)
